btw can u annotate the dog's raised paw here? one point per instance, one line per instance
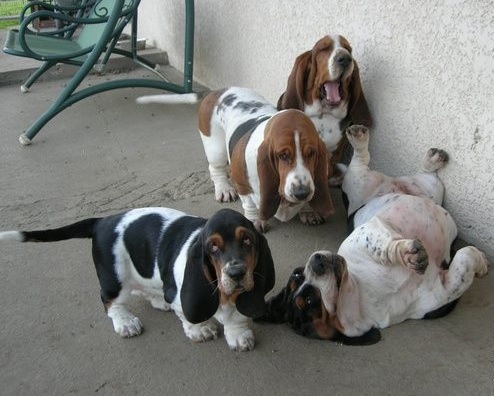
(415, 256)
(435, 159)
(358, 136)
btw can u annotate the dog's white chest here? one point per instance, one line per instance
(327, 123)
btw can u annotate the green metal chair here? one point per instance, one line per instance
(86, 36)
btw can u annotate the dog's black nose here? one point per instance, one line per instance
(344, 60)
(236, 271)
(319, 264)
(301, 192)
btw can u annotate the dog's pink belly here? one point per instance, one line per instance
(420, 218)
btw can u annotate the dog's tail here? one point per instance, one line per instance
(81, 229)
(190, 98)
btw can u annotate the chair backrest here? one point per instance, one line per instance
(91, 33)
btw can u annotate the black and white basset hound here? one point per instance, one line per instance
(395, 265)
(202, 269)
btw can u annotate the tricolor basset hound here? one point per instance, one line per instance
(394, 266)
(205, 270)
(325, 84)
(278, 163)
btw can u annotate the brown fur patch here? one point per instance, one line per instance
(206, 109)
(238, 167)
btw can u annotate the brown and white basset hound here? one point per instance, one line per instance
(325, 84)
(278, 163)
(395, 265)
(206, 270)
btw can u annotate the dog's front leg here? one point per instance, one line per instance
(215, 149)
(251, 211)
(386, 246)
(238, 334)
(199, 332)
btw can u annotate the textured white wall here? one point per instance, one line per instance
(427, 71)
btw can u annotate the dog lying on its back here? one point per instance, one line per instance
(203, 269)
(394, 266)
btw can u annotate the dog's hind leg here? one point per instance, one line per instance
(217, 156)
(361, 183)
(467, 263)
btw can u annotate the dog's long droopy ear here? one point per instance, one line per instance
(321, 201)
(252, 303)
(294, 96)
(279, 308)
(358, 109)
(199, 294)
(269, 180)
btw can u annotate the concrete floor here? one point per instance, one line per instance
(106, 154)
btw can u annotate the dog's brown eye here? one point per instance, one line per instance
(214, 249)
(283, 156)
(247, 241)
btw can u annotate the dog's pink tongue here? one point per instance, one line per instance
(332, 92)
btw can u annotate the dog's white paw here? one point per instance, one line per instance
(225, 192)
(124, 322)
(240, 339)
(481, 266)
(201, 332)
(358, 136)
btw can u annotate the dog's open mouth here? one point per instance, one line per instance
(330, 93)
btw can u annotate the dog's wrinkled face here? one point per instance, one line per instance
(295, 152)
(332, 58)
(326, 272)
(301, 302)
(232, 251)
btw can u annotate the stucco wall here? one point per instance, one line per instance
(427, 71)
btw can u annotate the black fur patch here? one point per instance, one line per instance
(243, 129)
(251, 106)
(103, 257)
(141, 239)
(174, 237)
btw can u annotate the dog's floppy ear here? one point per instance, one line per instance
(252, 303)
(199, 294)
(293, 97)
(279, 308)
(269, 181)
(358, 110)
(321, 202)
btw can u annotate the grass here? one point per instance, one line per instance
(10, 8)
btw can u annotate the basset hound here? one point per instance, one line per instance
(394, 266)
(204, 270)
(325, 84)
(278, 163)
